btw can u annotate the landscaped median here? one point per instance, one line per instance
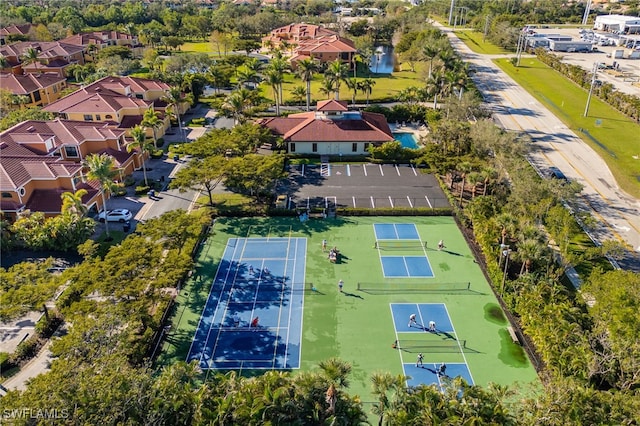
(606, 130)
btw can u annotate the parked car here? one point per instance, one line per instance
(117, 215)
(556, 173)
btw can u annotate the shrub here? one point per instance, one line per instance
(129, 181)
(157, 153)
(159, 142)
(142, 189)
(119, 190)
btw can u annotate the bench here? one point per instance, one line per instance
(513, 335)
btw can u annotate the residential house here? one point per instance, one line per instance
(43, 159)
(29, 181)
(13, 30)
(330, 130)
(121, 101)
(53, 56)
(301, 41)
(92, 42)
(41, 89)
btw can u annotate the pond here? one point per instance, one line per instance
(382, 60)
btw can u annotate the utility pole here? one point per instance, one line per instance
(585, 17)
(593, 83)
(521, 42)
(486, 28)
(453, 2)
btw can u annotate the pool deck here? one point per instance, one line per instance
(418, 131)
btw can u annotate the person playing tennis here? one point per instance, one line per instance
(412, 320)
(254, 323)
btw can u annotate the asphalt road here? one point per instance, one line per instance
(618, 213)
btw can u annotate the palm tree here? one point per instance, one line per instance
(337, 72)
(299, 93)
(245, 75)
(305, 69)
(30, 56)
(140, 141)
(327, 87)
(279, 66)
(274, 78)
(335, 372)
(101, 168)
(173, 99)
(430, 51)
(72, 202)
(366, 86)
(352, 84)
(382, 384)
(151, 120)
(237, 104)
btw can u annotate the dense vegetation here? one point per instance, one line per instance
(113, 303)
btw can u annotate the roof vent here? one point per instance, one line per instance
(31, 129)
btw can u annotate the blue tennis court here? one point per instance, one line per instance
(396, 231)
(425, 312)
(427, 374)
(257, 278)
(406, 267)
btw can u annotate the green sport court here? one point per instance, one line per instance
(391, 268)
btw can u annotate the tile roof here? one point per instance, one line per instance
(63, 132)
(86, 101)
(325, 44)
(22, 29)
(27, 83)
(50, 200)
(350, 127)
(120, 157)
(301, 31)
(332, 105)
(96, 37)
(47, 49)
(18, 171)
(137, 85)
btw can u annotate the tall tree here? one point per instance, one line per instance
(101, 168)
(174, 100)
(306, 68)
(337, 72)
(139, 136)
(366, 86)
(151, 120)
(204, 173)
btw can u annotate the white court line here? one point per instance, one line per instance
(424, 327)
(391, 201)
(381, 171)
(395, 330)
(409, 200)
(458, 340)
(397, 169)
(428, 202)
(193, 340)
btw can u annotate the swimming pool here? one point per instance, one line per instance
(408, 140)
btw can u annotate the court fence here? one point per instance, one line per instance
(373, 287)
(440, 346)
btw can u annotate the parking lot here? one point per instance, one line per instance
(626, 78)
(362, 186)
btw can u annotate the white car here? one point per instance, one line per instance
(117, 215)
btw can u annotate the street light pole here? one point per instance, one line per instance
(453, 2)
(506, 254)
(593, 83)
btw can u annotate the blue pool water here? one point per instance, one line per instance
(408, 140)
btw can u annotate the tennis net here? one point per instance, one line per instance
(399, 245)
(373, 287)
(440, 346)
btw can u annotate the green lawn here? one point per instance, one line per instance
(198, 47)
(608, 132)
(357, 326)
(473, 40)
